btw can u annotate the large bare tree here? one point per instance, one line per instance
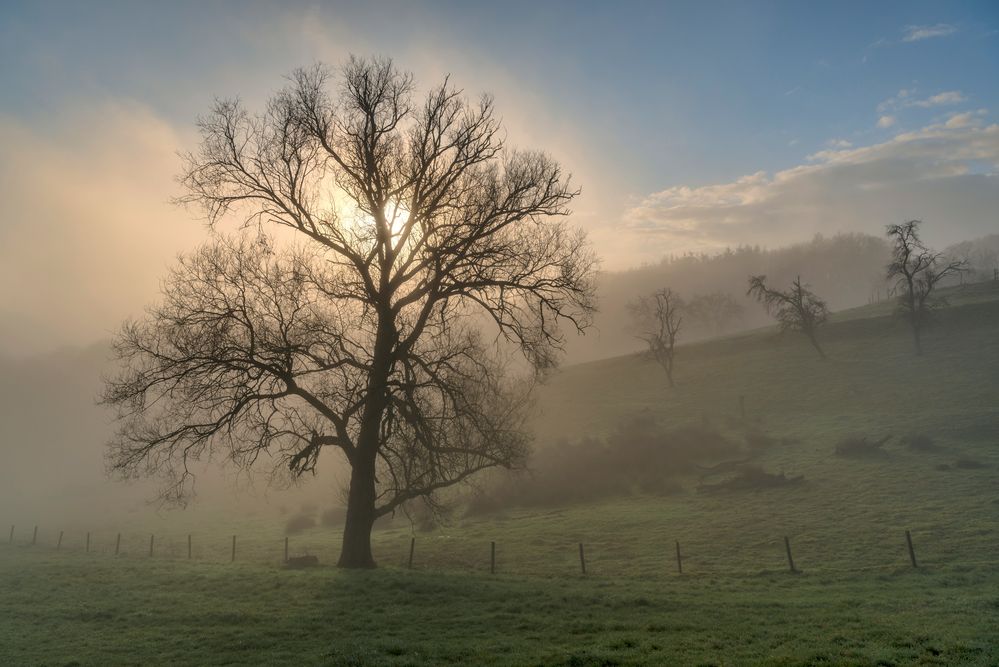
(417, 233)
(795, 309)
(657, 319)
(916, 271)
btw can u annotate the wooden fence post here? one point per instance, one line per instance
(233, 549)
(679, 562)
(412, 547)
(34, 536)
(790, 561)
(117, 544)
(912, 552)
(582, 559)
(285, 548)
(59, 543)
(188, 546)
(492, 558)
(11, 540)
(151, 537)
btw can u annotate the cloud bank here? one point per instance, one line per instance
(88, 228)
(946, 173)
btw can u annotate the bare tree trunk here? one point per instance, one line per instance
(356, 549)
(914, 315)
(815, 344)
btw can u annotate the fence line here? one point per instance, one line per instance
(489, 558)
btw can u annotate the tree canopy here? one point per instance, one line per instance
(916, 271)
(795, 309)
(657, 319)
(419, 247)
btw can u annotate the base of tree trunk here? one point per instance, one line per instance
(356, 554)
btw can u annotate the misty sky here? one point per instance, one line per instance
(692, 126)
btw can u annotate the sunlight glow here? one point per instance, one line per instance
(359, 222)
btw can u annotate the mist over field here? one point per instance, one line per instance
(499, 334)
(848, 270)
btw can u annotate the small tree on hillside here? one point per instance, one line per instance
(796, 309)
(916, 271)
(715, 312)
(657, 319)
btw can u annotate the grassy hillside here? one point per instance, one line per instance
(856, 600)
(871, 380)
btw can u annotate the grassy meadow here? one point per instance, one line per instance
(855, 601)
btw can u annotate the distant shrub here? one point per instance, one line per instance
(424, 518)
(333, 517)
(299, 522)
(299, 562)
(919, 442)
(751, 478)
(488, 502)
(637, 457)
(970, 464)
(859, 446)
(758, 440)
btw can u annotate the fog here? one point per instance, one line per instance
(55, 432)
(559, 333)
(54, 436)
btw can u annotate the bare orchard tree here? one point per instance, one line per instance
(916, 271)
(417, 232)
(657, 319)
(796, 309)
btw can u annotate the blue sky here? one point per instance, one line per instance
(689, 125)
(692, 92)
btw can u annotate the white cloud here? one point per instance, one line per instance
(935, 173)
(966, 119)
(897, 100)
(886, 121)
(915, 33)
(905, 99)
(941, 99)
(839, 143)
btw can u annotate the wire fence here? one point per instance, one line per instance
(550, 557)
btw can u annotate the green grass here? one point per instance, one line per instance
(68, 609)
(857, 600)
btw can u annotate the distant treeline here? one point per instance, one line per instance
(981, 256)
(846, 269)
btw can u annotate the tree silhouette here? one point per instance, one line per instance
(365, 330)
(657, 319)
(916, 271)
(797, 309)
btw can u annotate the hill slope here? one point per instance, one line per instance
(871, 380)
(856, 601)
